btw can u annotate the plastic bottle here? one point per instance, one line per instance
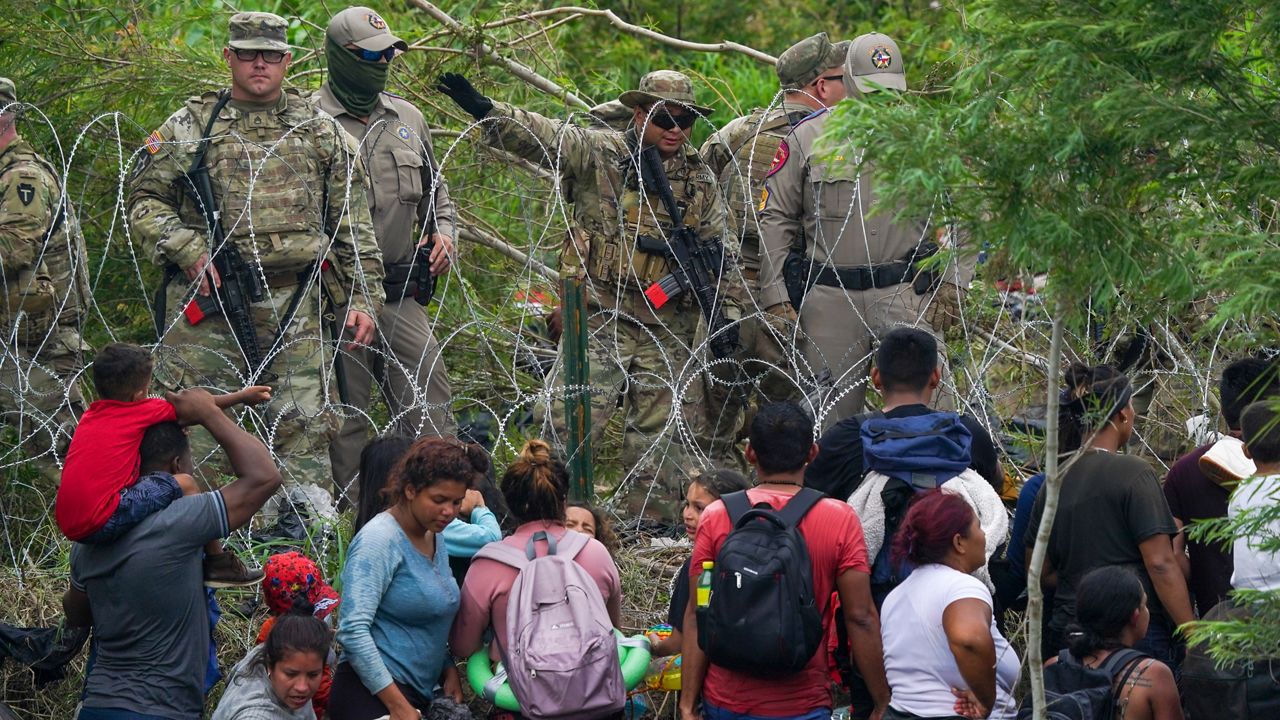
(704, 584)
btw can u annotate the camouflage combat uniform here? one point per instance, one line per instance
(408, 198)
(291, 192)
(862, 274)
(44, 299)
(637, 354)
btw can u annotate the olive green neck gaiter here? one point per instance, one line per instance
(355, 82)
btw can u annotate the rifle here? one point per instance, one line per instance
(241, 285)
(695, 265)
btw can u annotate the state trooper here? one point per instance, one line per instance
(413, 215)
(45, 296)
(290, 192)
(637, 353)
(811, 75)
(859, 273)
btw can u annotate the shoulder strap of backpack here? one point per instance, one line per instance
(799, 504)
(501, 552)
(572, 543)
(737, 504)
(1124, 659)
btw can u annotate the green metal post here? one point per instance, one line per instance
(577, 401)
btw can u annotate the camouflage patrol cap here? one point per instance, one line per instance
(875, 58)
(663, 86)
(803, 62)
(8, 94)
(364, 28)
(258, 31)
(613, 113)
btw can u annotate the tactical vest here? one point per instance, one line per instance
(56, 289)
(621, 260)
(269, 179)
(753, 152)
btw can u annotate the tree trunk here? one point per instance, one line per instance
(1051, 487)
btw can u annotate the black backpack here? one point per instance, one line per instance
(762, 618)
(1076, 692)
(1247, 690)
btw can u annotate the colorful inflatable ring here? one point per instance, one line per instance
(633, 656)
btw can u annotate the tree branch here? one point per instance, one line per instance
(1052, 486)
(520, 70)
(471, 233)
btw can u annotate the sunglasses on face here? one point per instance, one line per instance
(273, 57)
(374, 55)
(665, 120)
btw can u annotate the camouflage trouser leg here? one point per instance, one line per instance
(299, 421)
(40, 398)
(735, 390)
(647, 367)
(408, 367)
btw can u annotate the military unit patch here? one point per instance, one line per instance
(404, 133)
(153, 142)
(376, 22)
(26, 193)
(779, 159)
(881, 58)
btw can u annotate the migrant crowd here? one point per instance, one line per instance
(870, 567)
(874, 566)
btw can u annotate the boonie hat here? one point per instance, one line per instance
(875, 58)
(664, 86)
(8, 93)
(258, 31)
(364, 28)
(803, 62)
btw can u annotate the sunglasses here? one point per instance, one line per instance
(272, 57)
(665, 120)
(374, 55)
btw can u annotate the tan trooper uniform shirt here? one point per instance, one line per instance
(740, 154)
(830, 203)
(288, 182)
(611, 211)
(408, 195)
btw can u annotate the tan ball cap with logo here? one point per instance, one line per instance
(258, 31)
(663, 86)
(363, 28)
(875, 58)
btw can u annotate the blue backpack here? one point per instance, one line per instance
(917, 453)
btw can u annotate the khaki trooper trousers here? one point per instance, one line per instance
(839, 330)
(299, 421)
(645, 370)
(408, 367)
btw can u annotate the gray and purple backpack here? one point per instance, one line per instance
(561, 654)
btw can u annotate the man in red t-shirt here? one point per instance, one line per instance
(781, 445)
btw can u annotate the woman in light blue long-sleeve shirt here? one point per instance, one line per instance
(399, 596)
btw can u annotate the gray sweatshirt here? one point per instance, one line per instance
(248, 694)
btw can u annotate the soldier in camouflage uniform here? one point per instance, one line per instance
(811, 74)
(291, 192)
(861, 267)
(411, 207)
(42, 257)
(637, 353)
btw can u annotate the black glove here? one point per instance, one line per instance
(462, 92)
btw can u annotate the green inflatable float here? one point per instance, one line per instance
(633, 655)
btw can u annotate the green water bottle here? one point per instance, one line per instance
(704, 584)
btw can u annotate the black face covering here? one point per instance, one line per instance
(355, 83)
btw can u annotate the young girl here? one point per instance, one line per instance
(592, 521)
(278, 680)
(702, 492)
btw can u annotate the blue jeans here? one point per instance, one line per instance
(711, 712)
(115, 714)
(152, 493)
